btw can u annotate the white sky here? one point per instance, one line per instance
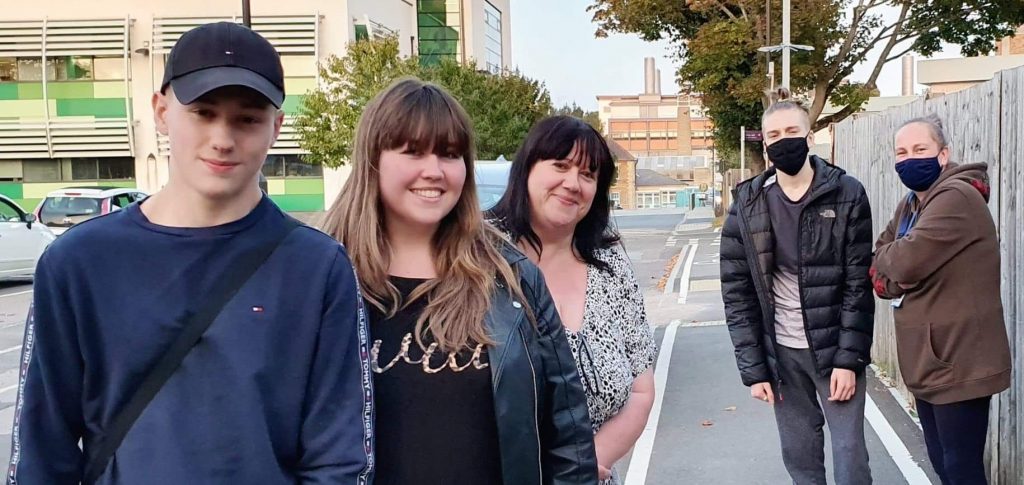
(553, 41)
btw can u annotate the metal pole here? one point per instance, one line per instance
(785, 42)
(743, 152)
(246, 16)
(768, 27)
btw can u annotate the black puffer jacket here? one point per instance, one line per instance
(835, 290)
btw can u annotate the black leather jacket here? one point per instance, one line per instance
(543, 424)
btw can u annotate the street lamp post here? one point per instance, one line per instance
(786, 46)
(247, 16)
(247, 21)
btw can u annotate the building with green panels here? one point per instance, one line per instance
(65, 103)
(76, 81)
(66, 98)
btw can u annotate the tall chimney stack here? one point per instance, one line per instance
(649, 75)
(657, 81)
(908, 75)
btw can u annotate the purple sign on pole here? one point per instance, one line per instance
(753, 136)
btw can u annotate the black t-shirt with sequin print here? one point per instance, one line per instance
(432, 428)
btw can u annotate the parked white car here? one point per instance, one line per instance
(22, 241)
(66, 207)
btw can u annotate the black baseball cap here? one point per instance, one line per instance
(223, 54)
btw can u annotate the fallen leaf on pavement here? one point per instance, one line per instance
(730, 408)
(707, 423)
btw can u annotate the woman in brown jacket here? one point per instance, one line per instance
(938, 263)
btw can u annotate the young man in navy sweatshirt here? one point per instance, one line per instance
(276, 391)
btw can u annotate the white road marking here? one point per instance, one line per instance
(684, 280)
(671, 285)
(641, 459)
(894, 445)
(16, 294)
(12, 349)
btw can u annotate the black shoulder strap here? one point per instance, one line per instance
(195, 325)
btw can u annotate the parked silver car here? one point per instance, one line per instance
(22, 241)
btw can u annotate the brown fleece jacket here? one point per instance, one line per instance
(950, 335)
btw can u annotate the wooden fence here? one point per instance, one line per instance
(983, 124)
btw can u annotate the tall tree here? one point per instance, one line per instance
(502, 106)
(717, 42)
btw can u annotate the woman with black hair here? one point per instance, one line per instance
(556, 210)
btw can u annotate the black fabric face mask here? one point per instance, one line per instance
(789, 154)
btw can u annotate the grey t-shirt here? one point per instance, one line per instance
(785, 217)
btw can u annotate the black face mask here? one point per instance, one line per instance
(789, 154)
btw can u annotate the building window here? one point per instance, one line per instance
(65, 68)
(42, 171)
(8, 69)
(84, 169)
(439, 30)
(71, 169)
(615, 199)
(69, 68)
(648, 200)
(492, 34)
(290, 166)
(30, 70)
(120, 168)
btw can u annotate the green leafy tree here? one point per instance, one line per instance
(591, 117)
(717, 42)
(502, 106)
(327, 122)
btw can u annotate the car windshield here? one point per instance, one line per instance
(489, 195)
(55, 209)
(491, 182)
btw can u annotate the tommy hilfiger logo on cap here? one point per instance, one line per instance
(221, 54)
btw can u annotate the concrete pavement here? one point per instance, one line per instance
(709, 430)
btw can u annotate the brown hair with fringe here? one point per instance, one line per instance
(415, 115)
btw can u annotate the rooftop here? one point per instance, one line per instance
(965, 69)
(650, 178)
(618, 152)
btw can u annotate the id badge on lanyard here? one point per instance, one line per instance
(906, 225)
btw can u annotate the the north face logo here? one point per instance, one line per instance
(828, 213)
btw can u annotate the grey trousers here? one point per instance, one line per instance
(798, 413)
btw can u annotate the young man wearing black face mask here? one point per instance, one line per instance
(795, 255)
